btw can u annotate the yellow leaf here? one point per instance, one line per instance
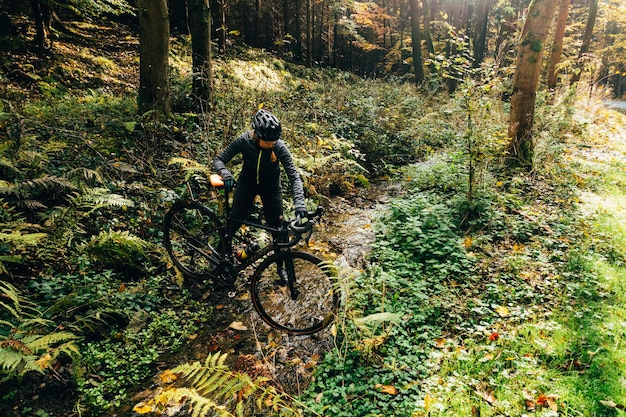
(440, 343)
(44, 361)
(237, 325)
(142, 408)
(502, 311)
(468, 242)
(428, 402)
(387, 389)
(167, 376)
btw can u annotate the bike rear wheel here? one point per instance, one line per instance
(316, 298)
(192, 239)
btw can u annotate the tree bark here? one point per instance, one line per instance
(416, 36)
(200, 25)
(557, 46)
(41, 16)
(178, 16)
(528, 65)
(591, 20)
(154, 33)
(480, 31)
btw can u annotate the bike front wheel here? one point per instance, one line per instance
(306, 304)
(192, 239)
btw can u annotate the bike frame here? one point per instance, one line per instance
(227, 254)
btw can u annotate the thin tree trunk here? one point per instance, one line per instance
(41, 15)
(309, 33)
(480, 32)
(528, 65)
(154, 35)
(591, 20)
(200, 25)
(416, 36)
(557, 46)
(427, 35)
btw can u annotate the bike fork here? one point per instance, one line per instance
(291, 276)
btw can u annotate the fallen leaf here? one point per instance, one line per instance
(502, 311)
(142, 408)
(167, 376)
(612, 404)
(548, 401)
(440, 343)
(237, 325)
(486, 394)
(387, 389)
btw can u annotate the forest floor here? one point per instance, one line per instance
(104, 56)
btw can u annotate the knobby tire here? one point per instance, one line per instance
(315, 306)
(191, 231)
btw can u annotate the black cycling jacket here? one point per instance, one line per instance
(260, 170)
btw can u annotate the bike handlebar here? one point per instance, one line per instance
(300, 226)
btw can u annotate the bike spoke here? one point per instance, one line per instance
(303, 306)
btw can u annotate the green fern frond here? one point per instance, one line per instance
(191, 167)
(84, 173)
(117, 248)
(12, 361)
(122, 167)
(216, 389)
(17, 239)
(42, 342)
(92, 199)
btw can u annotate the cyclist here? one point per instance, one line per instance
(262, 149)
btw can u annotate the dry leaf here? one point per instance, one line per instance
(612, 404)
(440, 343)
(142, 408)
(387, 389)
(237, 325)
(486, 394)
(502, 311)
(167, 376)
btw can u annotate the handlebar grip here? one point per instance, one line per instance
(295, 225)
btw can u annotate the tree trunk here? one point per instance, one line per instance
(528, 65)
(427, 35)
(591, 20)
(416, 36)
(298, 31)
(200, 25)
(309, 33)
(178, 16)
(557, 46)
(154, 33)
(41, 15)
(480, 31)
(222, 27)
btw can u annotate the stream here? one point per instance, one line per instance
(344, 235)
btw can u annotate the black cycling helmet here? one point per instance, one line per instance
(266, 125)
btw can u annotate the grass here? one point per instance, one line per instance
(536, 326)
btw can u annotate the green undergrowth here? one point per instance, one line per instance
(509, 304)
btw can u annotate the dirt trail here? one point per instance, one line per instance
(345, 235)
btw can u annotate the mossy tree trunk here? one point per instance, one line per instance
(200, 25)
(519, 150)
(154, 36)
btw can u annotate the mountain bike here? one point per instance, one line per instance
(292, 290)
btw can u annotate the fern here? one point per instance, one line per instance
(117, 248)
(92, 199)
(191, 167)
(216, 390)
(25, 343)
